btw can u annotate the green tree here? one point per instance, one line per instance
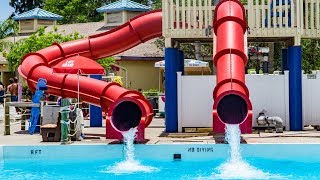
(156, 4)
(33, 43)
(79, 11)
(310, 55)
(188, 48)
(277, 56)
(7, 28)
(106, 62)
(40, 40)
(75, 11)
(21, 6)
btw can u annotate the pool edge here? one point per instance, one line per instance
(1, 154)
(161, 152)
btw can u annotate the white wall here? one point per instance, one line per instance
(311, 99)
(195, 101)
(269, 92)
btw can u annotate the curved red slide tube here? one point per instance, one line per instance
(125, 108)
(231, 95)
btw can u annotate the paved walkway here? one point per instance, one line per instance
(155, 135)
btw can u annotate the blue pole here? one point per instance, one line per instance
(95, 111)
(295, 87)
(171, 106)
(284, 62)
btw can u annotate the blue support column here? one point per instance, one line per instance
(284, 61)
(171, 105)
(295, 87)
(95, 111)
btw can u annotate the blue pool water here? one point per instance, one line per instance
(102, 169)
(189, 161)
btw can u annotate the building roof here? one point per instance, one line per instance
(143, 51)
(37, 13)
(84, 29)
(123, 5)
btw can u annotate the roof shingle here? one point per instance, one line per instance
(37, 13)
(123, 5)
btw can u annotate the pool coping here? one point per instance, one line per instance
(160, 152)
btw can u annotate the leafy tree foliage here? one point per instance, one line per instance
(188, 48)
(7, 28)
(75, 11)
(38, 41)
(34, 43)
(277, 56)
(118, 79)
(79, 11)
(156, 4)
(21, 6)
(310, 55)
(106, 62)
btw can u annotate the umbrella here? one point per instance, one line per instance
(79, 65)
(76, 64)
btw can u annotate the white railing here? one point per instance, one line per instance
(266, 18)
(184, 18)
(311, 18)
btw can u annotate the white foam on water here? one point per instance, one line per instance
(235, 167)
(129, 165)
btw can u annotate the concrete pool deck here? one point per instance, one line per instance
(155, 135)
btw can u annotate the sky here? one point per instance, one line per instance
(5, 9)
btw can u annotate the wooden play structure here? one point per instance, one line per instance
(269, 20)
(193, 21)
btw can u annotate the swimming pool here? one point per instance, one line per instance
(197, 161)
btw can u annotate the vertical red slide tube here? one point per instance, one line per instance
(231, 95)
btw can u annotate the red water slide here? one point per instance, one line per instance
(125, 108)
(231, 95)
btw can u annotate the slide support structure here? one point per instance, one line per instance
(95, 111)
(295, 88)
(174, 62)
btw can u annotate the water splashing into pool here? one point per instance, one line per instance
(128, 138)
(130, 164)
(235, 167)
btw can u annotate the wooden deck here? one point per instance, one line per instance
(191, 20)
